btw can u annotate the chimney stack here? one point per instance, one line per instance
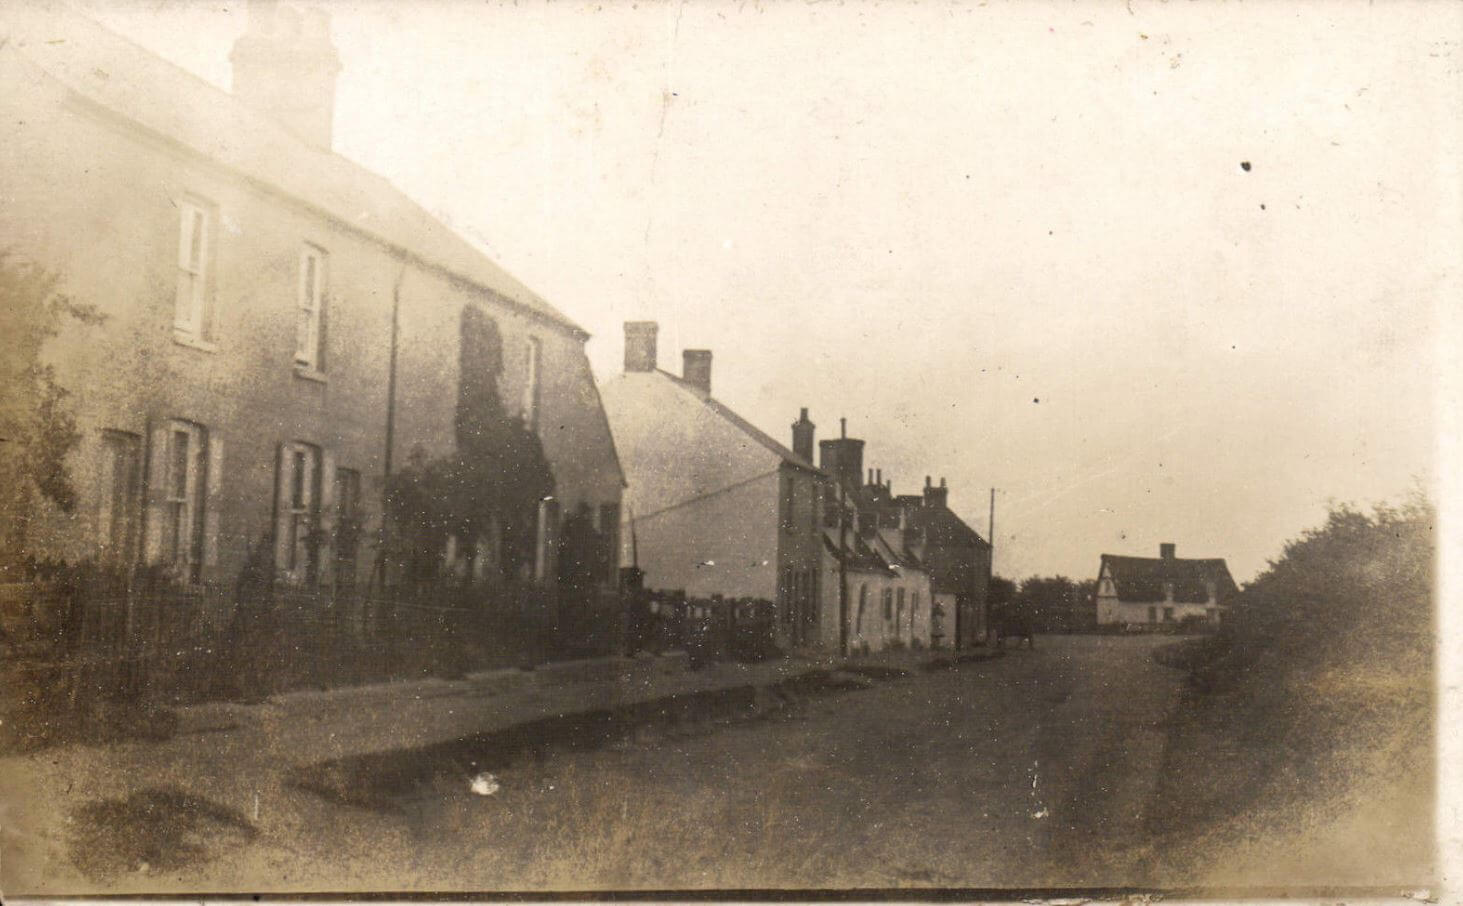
(696, 369)
(843, 459)
(640, 354)
(1166, 550)
(936, 496)
(285, 67)
(802, 436)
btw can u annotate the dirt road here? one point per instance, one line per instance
(1029, 771)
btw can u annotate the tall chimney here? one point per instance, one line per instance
(842, 458)
(1166, 550)
(640, 352)
(285, 67)
(802, 436)
(696, 369)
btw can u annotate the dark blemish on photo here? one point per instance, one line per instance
(1244, 165)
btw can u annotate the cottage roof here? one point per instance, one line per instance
(127, 81)
(746, 427)
(856, 553)
(1142, 578)
(943, 528)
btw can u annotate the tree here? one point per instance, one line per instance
(1051, 603)
(37, 427)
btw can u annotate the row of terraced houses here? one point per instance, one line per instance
(283, 328)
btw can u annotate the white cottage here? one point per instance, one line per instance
(1162, 590)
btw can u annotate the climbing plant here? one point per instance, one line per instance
(37, 427)
(488, 487)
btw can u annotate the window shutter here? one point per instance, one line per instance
(302, 316)
(546, 567)
(213, 484)
(183, 305)
(322, 324)
(155, 495)
(281, 507)
(551, 533)
(326, 520)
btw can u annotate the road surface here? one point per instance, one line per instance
(1028, 771)
(1031, 770)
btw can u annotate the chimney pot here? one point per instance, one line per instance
(1166, 550)
(640, 352)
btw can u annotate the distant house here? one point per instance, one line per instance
(1162, 589)
(872, 544)
(959, 563)
(714, 505)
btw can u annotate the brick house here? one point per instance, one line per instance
(1162, 590)
(274, 312)
(714, 505)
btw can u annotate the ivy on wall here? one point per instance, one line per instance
(487, 489)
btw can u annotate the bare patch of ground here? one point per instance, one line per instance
(159, 829)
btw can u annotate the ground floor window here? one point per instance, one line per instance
(1153, 614)
(183, 493)
(297, 512)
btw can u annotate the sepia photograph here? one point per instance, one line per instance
(734, 450)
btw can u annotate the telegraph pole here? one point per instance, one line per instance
(842, 547)
(378, 573)
(990, 566)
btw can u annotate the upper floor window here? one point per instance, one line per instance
(310, 329)
(191, 308)
(533, 365)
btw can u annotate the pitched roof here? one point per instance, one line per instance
(943, 528)
(857, 553)
(132, 83)
(746, 427)
(1142, 578)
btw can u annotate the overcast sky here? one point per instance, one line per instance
(1015, 245)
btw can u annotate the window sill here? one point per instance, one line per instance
(192, 342)
(310, 374)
